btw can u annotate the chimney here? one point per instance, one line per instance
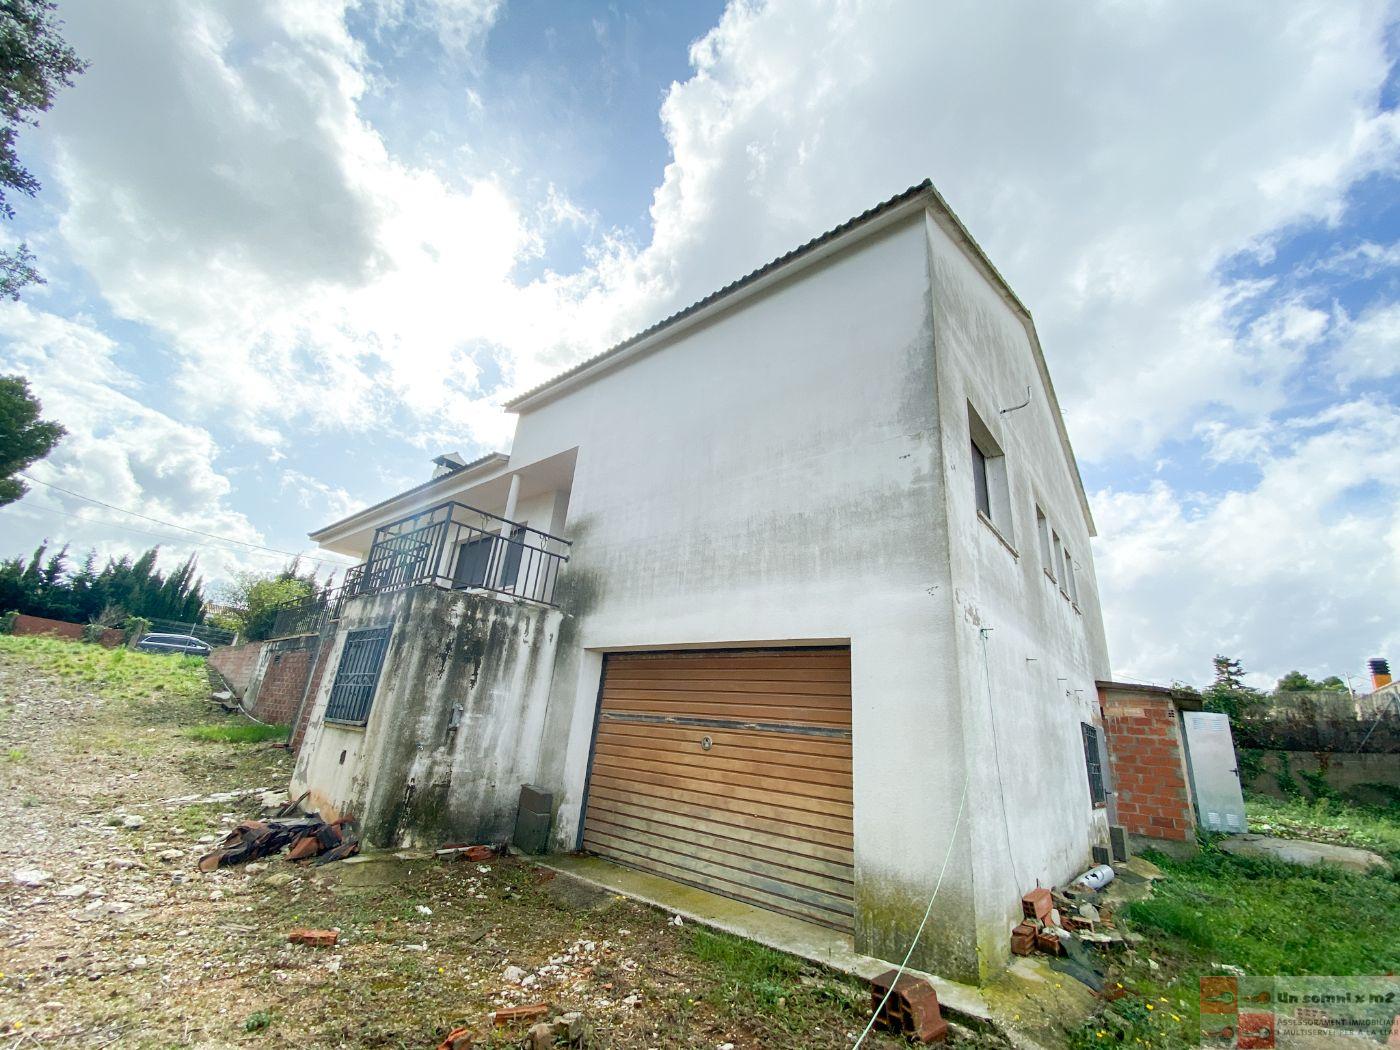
(1380, 672)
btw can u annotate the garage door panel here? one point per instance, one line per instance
(691, 756)
(816, 751)
(771, 863)
(730, 771)
(790, 893)
(809, 853)
(833, 842)
(759, 779)
(738, 713)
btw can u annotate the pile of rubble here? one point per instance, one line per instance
(1064, 923)
(549, 1031)
(305, 838)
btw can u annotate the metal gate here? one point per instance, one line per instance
(731, 771)
(1215, 776)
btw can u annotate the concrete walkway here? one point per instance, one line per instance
(1304, 854)
(804, 939)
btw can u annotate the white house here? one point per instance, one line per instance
(789, 597)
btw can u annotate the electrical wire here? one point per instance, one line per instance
(904, 963)
(38, 507)
(159, 521)
(171, 524)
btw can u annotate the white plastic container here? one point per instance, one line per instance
(1096, 878)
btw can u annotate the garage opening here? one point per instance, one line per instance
(729, 770)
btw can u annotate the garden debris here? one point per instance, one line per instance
(511, 1014)
(314, 938)
(307, 837)
(458, 1039)
(475, 854)
(907, 1005)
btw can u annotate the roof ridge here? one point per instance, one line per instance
(732, 286)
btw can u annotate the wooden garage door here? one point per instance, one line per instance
(730, 771)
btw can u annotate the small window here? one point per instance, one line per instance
(1069, 586)
(357, 677)
(989, 485)
(1093, 764)
(1042, 528)
(1057, 554)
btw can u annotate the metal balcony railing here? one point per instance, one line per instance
(459, 547)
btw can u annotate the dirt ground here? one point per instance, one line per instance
(110, 936)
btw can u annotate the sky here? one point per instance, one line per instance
(294, 250)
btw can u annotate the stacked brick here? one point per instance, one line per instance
(1143, 733)
(907, 1005)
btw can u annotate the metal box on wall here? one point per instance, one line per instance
(1215, 775)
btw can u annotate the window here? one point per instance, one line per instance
(1042, 528)
(989, 484)
(473, 562)
(1093, 764)
(1057, 554)
(979, 481)
(357, 677)
(514, 549)
(1069, 586)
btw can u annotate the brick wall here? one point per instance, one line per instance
(237, 664)
(318, 673)
(26, 624)
(1148, 758)
(282, 682)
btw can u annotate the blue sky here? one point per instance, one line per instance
(295, 250)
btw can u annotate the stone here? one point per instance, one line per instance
(278, 879)
(169, 855)
(513, 974)
(1300, 852)
(30, 877)
(1089, 912)
(131, 820)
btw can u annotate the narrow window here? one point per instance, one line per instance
(1070, 588)
(1092, 764)
(515, 547)
(1042, 528)
(989, 485)
(979, 481)
(1057, 555)
(357, 677)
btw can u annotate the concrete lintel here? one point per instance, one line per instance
(806, 940)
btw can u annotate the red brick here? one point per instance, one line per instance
(1036, 904)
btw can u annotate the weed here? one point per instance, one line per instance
(257, 1021)
(1328, 820)
(16, 754)
(242, 733)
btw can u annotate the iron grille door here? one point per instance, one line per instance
(1092, 764)
(358, 675)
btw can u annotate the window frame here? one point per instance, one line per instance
(1094, 764)
(991, 487)
(366, 667)
(1042, 529)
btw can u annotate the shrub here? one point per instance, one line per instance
(7, 622)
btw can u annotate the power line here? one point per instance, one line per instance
(27, 506)
(171, 524)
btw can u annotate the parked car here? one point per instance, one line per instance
(174, 643)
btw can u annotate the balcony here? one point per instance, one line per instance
(458, 547)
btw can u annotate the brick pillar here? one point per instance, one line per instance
(1145, 749)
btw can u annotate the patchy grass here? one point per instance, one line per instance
(750, 981)
(239, 733)
(119, 674)
(1262, 916)
(1328, 820)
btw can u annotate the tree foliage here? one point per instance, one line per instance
(1298, 682)
(46, 585)
(24, 437)
(1228, 693)
(35, 62)
(251, 601)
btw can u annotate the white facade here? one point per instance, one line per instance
(791, 464)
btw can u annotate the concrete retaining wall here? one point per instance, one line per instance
(1351, 775)
(32, 625)
(455, 725)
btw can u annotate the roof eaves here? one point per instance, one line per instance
(729, 289)
(453, 475)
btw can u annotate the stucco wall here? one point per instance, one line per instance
(1026, 659)
(408, 776)
(772, 478)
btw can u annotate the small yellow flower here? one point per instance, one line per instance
(1176, 1017)
(1149, 1006)
(1161, 998)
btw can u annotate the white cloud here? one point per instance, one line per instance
(1299, 571)
(120, 451)
(1369, 347)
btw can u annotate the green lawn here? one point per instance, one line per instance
(123, 674)
(1262, 916)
